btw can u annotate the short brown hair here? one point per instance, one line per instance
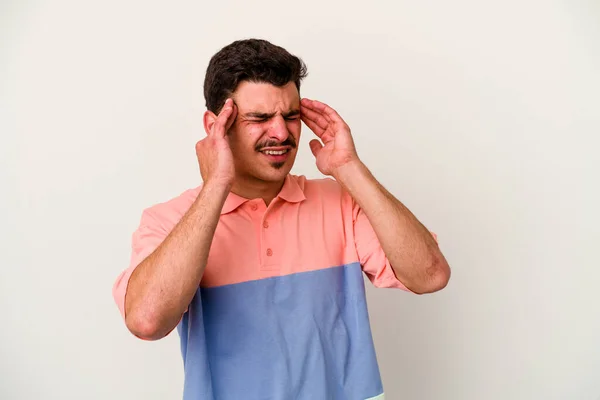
(253, 60)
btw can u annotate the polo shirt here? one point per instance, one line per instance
(280, 312)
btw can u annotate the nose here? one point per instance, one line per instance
(278, 129)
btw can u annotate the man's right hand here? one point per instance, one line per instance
(164, 284)
(214, 154)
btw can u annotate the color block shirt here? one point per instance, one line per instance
(280, 312)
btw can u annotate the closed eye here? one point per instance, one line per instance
(259, 117)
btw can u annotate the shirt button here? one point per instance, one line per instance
(269, 252)
(254, 207)
(266, 224)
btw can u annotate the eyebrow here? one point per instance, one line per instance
(260, 115)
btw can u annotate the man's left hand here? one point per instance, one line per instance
(336, 147)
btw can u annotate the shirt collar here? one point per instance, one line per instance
(290, 192)
(232, 202)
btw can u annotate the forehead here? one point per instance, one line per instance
(264, 97)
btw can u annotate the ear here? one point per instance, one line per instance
(209, 120)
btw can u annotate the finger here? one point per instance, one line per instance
(327, 112)
(311, 105)
(324, 135)
(311, 117)
(219, 128)
(232, 117)
(313, 126)
(315, 147)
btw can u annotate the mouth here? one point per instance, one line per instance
(276, 154)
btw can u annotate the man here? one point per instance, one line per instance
(261, 270)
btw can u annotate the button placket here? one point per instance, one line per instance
(269, 254)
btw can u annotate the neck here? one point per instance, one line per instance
(252, 188)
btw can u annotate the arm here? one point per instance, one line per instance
(410, 248)
(163, 285)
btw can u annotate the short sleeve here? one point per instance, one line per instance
(370, 253)
(146, 238)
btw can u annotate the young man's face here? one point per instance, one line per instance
(264, 138)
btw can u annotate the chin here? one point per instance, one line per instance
(276, 172)
(276, 175)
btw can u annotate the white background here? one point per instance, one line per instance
(482, 117)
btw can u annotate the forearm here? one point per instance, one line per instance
(163, 285)
(408, 245)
